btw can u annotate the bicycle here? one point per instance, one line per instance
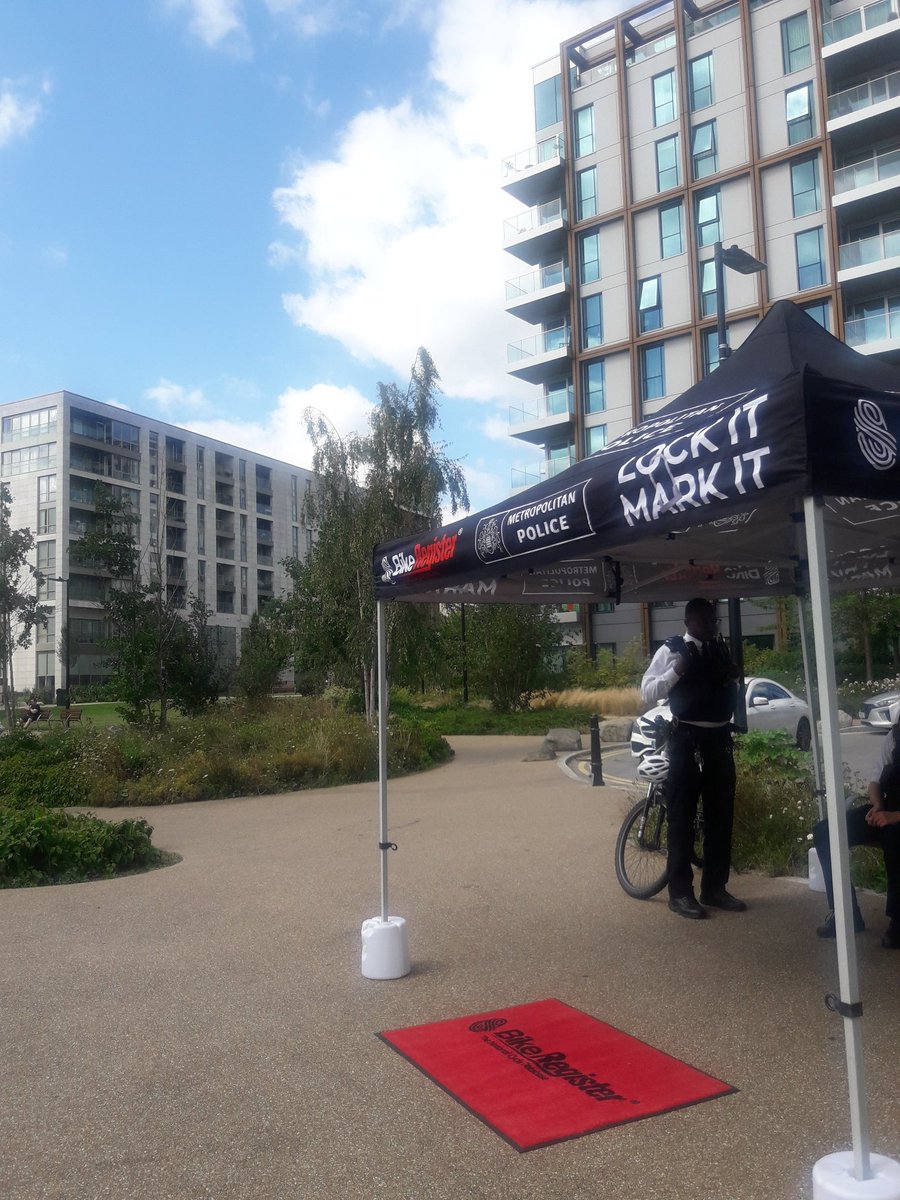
(641, 846)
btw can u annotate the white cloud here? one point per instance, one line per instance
(58, 256)
(174, 399)
(217, 23)
(18, 110)
(281, 433)
(402, 229)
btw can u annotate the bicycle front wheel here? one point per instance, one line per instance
(641, 847)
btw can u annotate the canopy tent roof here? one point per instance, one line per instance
(704, 498)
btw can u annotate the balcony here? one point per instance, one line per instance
(538, 294)
(884, 90)
(531, 421)
(535, 172)
(525, 477)
(872, 177)
(535, 358)
(869, 256)
(875, 334)
(867, 19)
(538, 234)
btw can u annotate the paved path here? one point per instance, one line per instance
(204, 1031)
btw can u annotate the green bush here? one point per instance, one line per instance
(775, 808)
(40, 845)
(41, 770)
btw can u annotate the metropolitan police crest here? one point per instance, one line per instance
(488, 540)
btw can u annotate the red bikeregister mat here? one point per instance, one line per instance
(543, 1072)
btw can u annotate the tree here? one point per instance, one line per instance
(369, 487)
(159, 658)
(19, 607)
(513, 651)
(869, 621)
(265, 648)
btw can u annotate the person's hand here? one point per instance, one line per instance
(680, 665)
(879, 818)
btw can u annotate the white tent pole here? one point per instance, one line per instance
(814, 708)
(849, 1002)
(385, 945)
(382, 753)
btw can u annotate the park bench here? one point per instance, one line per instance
(69, 715)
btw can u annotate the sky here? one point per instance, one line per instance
(223, 213)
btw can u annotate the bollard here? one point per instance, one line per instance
(596, 761)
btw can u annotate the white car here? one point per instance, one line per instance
(881, 711)
(769, 706)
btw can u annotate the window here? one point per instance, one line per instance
(653, 372)
(650, 304)
(547, 103)
(589, 257)
(708, 288)
(295, 541)
(810, 259)
(29, 458)
(702, 82)
(201, 474)
(819, 312)
(805, 186)
(664, 98)
(201, 528)
(671, 230)
(799, 114)
(243, 537)
(667, 175)
(584, 130)
(44, 660)
(795, 51)
(594, 438)
(704, 155)
(201, 581)
(243, 589)
(591, 321)
(595, 386)
(709, 225)
(47, 489)
(294, 505)
(40, 423)
(587, 193)
(46, 564)
(710, 346)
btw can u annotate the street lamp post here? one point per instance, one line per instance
(66, 658)
(736, 260)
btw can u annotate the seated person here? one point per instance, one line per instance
(32, 712)
(877, 824)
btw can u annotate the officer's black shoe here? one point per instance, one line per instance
(687, 906)
(827, 928)
(724, 900)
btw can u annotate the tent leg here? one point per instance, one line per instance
(837, 827)
(813, 707)
(385, 950)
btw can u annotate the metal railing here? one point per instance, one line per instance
(526, 160)
(557, 404)
(870, 250)
(533, 218)
(870, 16)
(864, 95)
(879, 327)
(536, 281)
(871, 170)
(539, 343)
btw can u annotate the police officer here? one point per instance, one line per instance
(698, 677)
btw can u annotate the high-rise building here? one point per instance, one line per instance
(218, 520)
(769, 125)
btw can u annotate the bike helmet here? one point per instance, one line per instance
(654, 768)
(643, 737)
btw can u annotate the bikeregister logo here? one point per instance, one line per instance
(521, 1048)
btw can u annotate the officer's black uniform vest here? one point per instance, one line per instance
(706, 691)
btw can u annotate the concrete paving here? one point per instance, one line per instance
(204, 1031)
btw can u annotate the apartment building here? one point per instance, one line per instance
(217, 519)
(770, 125)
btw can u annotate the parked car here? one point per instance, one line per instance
(769, 706)
(880, 712)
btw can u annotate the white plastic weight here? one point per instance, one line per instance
(833, 1178)
(816, 878)
(385, 948)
